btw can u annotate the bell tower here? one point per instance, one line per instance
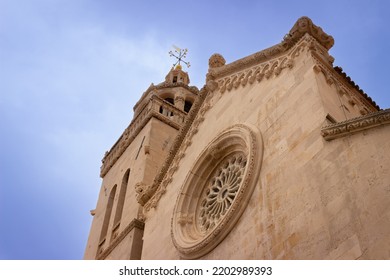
(129, 168)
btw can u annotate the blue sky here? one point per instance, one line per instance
(72, 70)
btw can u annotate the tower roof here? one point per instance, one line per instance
(176, 77)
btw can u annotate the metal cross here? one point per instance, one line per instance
(179, 54)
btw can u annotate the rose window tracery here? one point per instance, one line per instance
(219, 195)
(216, 190)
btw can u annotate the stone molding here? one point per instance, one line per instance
(348, 127)
(303, 25)
(189, 236)
(135, 223)
(150, 110)
(352, 94)
(247, 74)
(349, 81)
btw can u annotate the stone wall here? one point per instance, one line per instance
(314, 199)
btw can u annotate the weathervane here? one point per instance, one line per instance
(179, 54)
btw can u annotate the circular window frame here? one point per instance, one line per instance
(187, 236)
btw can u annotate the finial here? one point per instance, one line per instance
(179, 54)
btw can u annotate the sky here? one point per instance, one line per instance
(72, 70)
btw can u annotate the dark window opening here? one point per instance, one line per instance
(121, 199)
(187, 106)
(174, 79)
(170, 100)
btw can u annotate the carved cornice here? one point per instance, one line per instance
(354, 95)
(303, 26)
(135, 223)
(348, 127)
(257, 73)
(266, 70)
(150, 110)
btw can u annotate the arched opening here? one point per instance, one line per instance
(187, 106)
(107, 216)
(121, 199)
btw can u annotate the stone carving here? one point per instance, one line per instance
(219, 195)
(341, 129)
(217, 190)
(142, 192)
(268, 69)
(249, 76)
(303, 26)
(216, 60)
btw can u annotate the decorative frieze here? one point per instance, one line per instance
(348, 127)
(303, 26)
(245, 74)
(249, 76)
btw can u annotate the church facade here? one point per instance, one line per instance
(279, 156)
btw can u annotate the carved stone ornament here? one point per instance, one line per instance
(216, 60)
(354, 125)
(303, 26)
(142, 192)
(217, 190)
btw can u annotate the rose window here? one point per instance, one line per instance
(219, 195)
(216, 190)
